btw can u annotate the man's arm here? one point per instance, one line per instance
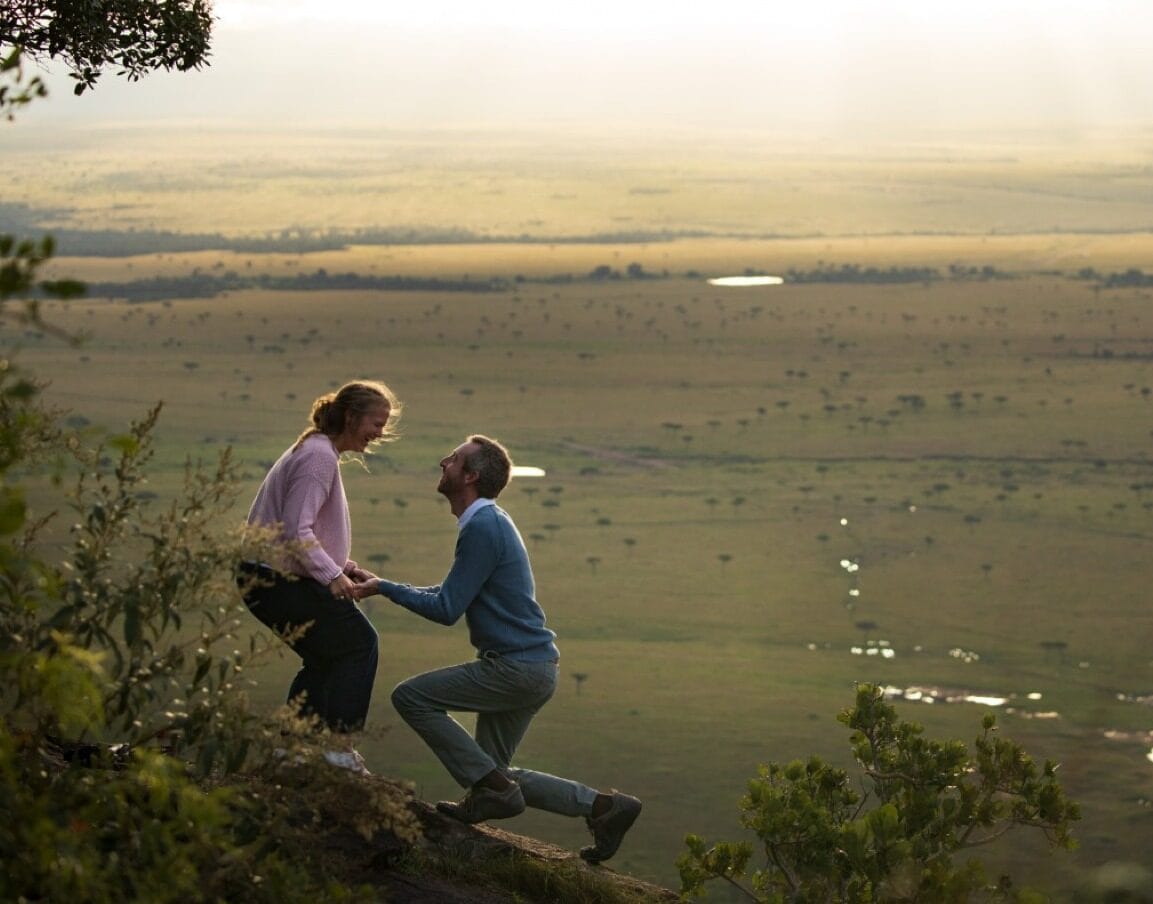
(477, 553)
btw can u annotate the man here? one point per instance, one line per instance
(515, 672)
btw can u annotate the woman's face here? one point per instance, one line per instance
(365, 430)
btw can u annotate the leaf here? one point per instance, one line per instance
(125, 443)
(203, 664)
(132, 627)
(12, 510)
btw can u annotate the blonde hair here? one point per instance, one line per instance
(333, 412)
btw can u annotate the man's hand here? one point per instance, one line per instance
(369, 587)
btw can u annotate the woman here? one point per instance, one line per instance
(307, 596)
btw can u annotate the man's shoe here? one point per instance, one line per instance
(483, 803)
(609, 830)
(347, 759)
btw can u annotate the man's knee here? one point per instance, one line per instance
(404, 700)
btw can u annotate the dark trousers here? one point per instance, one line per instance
(338, 648)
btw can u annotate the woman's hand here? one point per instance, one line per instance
(342, 587)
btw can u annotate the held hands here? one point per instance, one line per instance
(354, 584)
(359, 574)
(367, 587)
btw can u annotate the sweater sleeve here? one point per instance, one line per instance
(308, 490)
(477, 552)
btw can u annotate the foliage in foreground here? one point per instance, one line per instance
(126, 742)
(133, 37)
(921, 803)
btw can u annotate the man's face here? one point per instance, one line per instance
(452, 470)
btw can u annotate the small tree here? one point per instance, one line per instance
(921, 802)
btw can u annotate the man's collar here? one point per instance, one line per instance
(476, 506)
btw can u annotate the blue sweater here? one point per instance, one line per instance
(491, 585)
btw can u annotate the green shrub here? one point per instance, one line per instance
(920, 803)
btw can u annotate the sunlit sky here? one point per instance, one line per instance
(821, 66)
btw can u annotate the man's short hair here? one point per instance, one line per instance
(491, 464)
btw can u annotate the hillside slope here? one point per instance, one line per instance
(452, 862)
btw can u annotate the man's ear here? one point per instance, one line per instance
(470, 476)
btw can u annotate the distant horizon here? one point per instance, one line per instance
(45, 128)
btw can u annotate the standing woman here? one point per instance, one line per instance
(308, 594)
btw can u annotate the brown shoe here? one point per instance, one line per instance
(609, 830)
(483, 803)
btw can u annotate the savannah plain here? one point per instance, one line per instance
(753, 497)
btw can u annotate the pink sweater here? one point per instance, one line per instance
(304, 495)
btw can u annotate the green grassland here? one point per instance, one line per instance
(978, 452)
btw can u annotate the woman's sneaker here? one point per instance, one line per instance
(347, 759)
(483, 803)
(609, 829)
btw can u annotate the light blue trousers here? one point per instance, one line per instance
(505, 694)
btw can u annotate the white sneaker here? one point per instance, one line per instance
(347, 759)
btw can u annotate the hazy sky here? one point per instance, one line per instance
(815, 66)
